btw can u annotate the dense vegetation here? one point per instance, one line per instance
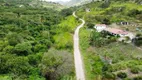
(35, 42)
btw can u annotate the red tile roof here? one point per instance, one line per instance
(116, 31)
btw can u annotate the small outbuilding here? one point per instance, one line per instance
(100, 27)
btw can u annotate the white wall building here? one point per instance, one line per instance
(100, 27)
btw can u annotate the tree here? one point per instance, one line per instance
(106, 21)
(66, 12)
(18, 65)
(8, 49)
(3, 44)
(14, 38)
(134, 12)
(105, 4)
(10, 63)
(96, 39)
(56, 64)
(137, 41)
(23, 48)
(90, 25)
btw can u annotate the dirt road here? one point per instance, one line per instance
(77, 56)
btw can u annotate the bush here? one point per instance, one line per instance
(90, 25)
(134, 12)
(138, 78)
(105, 4)
(109, 75)
(23, 48)
(127, 79)
(135, 70)
(122, 75)
(137, 41)
(66, 12)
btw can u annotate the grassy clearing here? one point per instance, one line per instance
(65, 31)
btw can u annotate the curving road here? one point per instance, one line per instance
(77, 56)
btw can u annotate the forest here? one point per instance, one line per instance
(35, 42)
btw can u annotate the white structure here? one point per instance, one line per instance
(100, 27)
(131, 35)
(21, 5)
(88, 10)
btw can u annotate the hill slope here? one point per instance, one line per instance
(112, 12)
(104, 57)
(31, 3)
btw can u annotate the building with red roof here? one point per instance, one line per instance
(115, 31)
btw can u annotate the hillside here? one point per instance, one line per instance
(31, 3)
(52, 5)
(35, 42)
(106, 58)
(112, 12)
(75, 2)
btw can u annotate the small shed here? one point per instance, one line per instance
(100, 27)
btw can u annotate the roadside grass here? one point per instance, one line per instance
(84, 44)
(88, 57)
(69, 24)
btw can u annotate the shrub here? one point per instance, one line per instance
(127, 79)
(137, 41)
(122, 75)
(135, 70)
(134, 12)
(138, 78)
(90, 25)
(109, 75)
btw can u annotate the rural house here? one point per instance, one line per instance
(115, 31)
(100, 27)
